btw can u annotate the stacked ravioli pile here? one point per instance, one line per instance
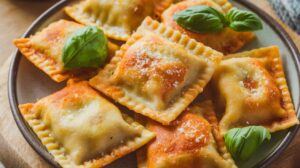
(167, 92)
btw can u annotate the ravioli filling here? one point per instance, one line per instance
(187, 134)
(256, 98)
(85, 124)
(225, 41)
(115, 16)
(149, 67)
(50, 41)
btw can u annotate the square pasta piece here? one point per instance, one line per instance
(225, 41)
(44, 49)
(192, 140)
(81, 128)
(261, 95)
(158, 72)
(118, 18)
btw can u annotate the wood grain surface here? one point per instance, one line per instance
(16, 16)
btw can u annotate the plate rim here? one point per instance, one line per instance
(24, 128)
(28, 133)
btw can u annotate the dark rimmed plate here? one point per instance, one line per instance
(27, 83)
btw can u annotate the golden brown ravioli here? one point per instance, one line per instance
(189, 141)
(158, 72)
(118, 18)
(251, 89)
(44, 49)
(81, 128)
(226, 41)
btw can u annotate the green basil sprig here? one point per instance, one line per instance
(203, 19)
(200, 19)
(85, 48)
(240, 20)
(243, 142)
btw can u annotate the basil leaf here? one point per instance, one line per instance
(203, 19)
(240, 20)
(200, 19)
(85, 48)
(243, 142)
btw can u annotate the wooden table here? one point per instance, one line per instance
(16, 16)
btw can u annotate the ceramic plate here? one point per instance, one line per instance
(27, 84)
